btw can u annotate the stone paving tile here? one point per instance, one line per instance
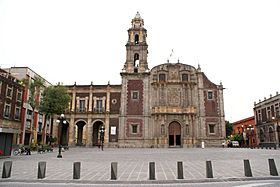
(133, 164)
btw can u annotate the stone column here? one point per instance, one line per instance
(73, 101)
(89, 132)
(90, 101)
(108, 99)
(72, 131)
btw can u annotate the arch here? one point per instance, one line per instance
(174, 134)
(136, 39)
(136, 60)
(79, 132)
(95, 132)
(271, 134)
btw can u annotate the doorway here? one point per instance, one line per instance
(96, 133)
(174, 134)
(80, 127)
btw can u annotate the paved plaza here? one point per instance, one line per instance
(133, 164)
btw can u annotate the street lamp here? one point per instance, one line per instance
(60, 120)
(250, 129)
(102, 132)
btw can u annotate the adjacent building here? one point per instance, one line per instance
(267, 117)
(11, 102)
(247, 128)
(170, 105)
(32, 123)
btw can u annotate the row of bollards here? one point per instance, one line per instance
(7, 169)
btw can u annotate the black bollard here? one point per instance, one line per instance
(272, 167)
(209, 171)
(76, 170)
(180, 170)
(152, 171)
(114, 170)
(7, 169)
(41, 170)
(247, 168)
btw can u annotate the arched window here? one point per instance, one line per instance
(136, 39)
(136, 60)
(271, 134)
(261, 135)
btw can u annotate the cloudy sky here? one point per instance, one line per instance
(235, 42)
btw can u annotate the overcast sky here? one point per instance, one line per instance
(235, 42)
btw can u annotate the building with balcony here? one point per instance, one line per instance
(11, 102)
(32, 124)
(267, 118)
(247, 128)
(171, 105)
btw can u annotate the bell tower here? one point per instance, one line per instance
(134, 117)
(136, 47)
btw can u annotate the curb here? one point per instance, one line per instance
(178, 181)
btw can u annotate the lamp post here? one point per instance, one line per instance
(102, 132)
(250, 129)
(60, 120)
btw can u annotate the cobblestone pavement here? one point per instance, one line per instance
(133, 164)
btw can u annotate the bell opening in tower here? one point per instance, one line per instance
(136, 39)
(136, 62)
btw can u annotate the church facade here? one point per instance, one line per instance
(169, 105)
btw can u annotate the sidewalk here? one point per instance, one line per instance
(133, 165)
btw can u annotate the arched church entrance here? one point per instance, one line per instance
(174, 134)
(95, 133)
(80, 127)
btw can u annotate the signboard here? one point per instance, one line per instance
(113, 130)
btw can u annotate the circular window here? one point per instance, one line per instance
(114, 101)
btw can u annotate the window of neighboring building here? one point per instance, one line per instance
(135, 95)
(29, 114)
(28, 124)
(212, 128)
(7, 110)
(19, 95)
(99, 105)
(9, 92)
(134, 128)
(17, 113)
(185, 77)
(161, 77)
(210, 95)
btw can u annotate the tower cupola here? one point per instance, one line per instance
(136, 47)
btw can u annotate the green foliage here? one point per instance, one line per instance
(229, 128)
(34, 87)
(54, 101)
(53, 139)
(238, 137)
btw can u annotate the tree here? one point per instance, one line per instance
(54, 101)
(34, 87)
(229, 128)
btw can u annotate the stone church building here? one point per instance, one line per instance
(169, 105)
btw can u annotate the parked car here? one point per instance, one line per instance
(235, 144)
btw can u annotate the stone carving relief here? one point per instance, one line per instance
(173, 95)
